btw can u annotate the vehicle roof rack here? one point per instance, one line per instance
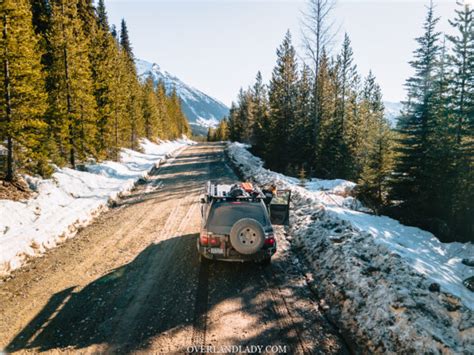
(243, 191)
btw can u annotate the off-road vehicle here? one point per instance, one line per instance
(237, 222)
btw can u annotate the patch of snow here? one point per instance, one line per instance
(207, 123)
(380, 275)
(70, 200)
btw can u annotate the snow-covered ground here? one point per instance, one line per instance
(375, 271)
(70, 200)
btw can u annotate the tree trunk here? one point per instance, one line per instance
(8, 109)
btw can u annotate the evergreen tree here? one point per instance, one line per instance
(118, 103)
(462, 63)
(461, 101)
(234, 129)
(125, 40)
(87, 15)
(330, 136)
(412, 185)
(134, 127)
(22, 95)
(150, 111)
(113, 31)
(210, 135)
(102, 18)
(375, 154)
(178, 125)
(103, 56)
(301, 133)
(346, 112)
(261, 128)
(222, 131)
(161, 103)
(72, 109)
(240, 117)
(41, 15)
(245, 116)
(283, 95)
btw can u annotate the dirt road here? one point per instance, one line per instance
(132, 282)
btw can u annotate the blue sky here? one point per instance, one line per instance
(218, 46)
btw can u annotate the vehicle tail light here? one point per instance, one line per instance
(270, 241)
(203, 239)
(214, 241)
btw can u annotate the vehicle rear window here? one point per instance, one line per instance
(225, 214)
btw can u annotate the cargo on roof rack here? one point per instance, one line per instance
(243, 191)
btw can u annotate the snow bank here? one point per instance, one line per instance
(69, 200)
(375, 272)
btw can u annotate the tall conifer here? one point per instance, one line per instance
(22, 95)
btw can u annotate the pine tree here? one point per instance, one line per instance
(239, 117)
(461, 101)
(412, 185)
(346, 112)
(283, 94)
(72, 109)
(134, 127)
(22, 95)
(114, 33)
(317, 36)
(222, 131)
(462, 63)
(324, 152)
(301, 132)
(178, 125)
(125, 40)
(375, 154)
(87, 15)
(161, 102)
(234, 129)
(104, 56)
(245, 116)
(102, 18)
(328, 149)
(150, 111)
(261, 128)
(118, 104)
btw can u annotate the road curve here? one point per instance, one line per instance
(131, 282)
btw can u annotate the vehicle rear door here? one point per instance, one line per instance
(280, 208)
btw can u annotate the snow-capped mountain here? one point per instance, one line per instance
(393, 111)
(201, 110)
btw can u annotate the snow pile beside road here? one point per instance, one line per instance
(70, 200)
(376, 273)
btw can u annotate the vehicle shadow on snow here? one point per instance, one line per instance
(179, 292)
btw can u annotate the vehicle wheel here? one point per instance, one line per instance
(247, 236)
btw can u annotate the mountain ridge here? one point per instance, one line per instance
(201, 110)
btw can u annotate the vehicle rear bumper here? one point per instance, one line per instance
(234, 256)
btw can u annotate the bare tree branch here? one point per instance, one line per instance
(317, 29)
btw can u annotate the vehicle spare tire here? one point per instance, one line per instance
(247, 236)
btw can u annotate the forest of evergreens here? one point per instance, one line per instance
(70, 90)
(321, 119)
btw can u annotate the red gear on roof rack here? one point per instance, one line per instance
(247, 186)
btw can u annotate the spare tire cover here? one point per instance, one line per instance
(247, 236)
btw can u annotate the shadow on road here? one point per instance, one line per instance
(165, 289)
(77, 319)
